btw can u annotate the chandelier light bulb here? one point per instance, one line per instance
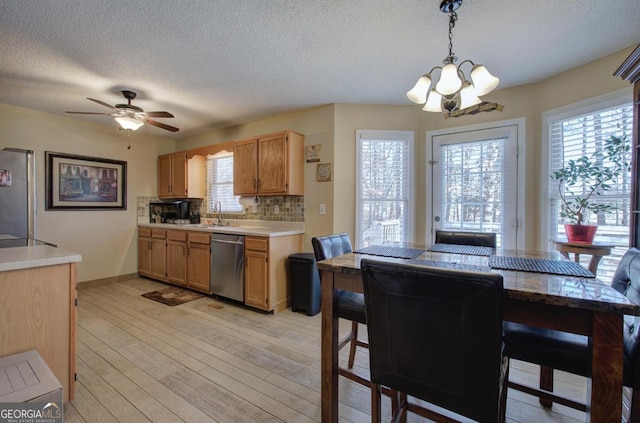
(418, 94)
(483, 81)
(129, 123)
(468, 97)
(449, 81)
(434, 102)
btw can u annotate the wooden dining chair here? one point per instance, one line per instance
(350, 304)
(480, 239)
(435, 334)
(569, 352)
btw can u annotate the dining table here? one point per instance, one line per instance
(542, 289)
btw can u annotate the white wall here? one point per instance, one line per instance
(107, 240)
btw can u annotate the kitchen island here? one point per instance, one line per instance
(38, 307)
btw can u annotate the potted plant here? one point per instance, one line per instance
(582, 179)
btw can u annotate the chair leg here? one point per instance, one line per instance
(634, 414)
(376, 414)
(546, 383)
(354, 341)
(502, 406)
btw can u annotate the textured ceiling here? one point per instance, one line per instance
(217, 63)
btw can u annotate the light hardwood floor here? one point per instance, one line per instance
(212, 361)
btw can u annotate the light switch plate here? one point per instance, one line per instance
(323, 209)
(276, 209)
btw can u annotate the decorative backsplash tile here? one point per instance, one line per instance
(289, 208)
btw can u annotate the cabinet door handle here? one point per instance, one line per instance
(255, 183)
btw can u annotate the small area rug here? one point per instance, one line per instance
(172, 296)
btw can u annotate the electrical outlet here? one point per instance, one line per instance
(323, 209)
(276, 209)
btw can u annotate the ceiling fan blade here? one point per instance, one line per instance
(89, 113)
(162, 125)
(159, 114)
(101, 102)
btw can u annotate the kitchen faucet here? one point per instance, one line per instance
(218, 206)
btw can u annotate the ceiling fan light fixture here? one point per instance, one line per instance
(128, 122)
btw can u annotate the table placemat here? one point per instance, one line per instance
(557, 267)
(471, 250)
(396, 252)
(450, 265)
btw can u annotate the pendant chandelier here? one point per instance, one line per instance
(453, 90)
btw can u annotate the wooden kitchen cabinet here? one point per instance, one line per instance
(180, 177)
(177, 257)
(266, 277)
(256, 273)
(269, 165)
(39, 312)
(199, 261)
(144, 251)
(245, 167)
(152, 251)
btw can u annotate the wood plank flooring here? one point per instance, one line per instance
(213, 361)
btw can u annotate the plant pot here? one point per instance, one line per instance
(580, 234)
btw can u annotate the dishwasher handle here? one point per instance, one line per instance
(227, 242)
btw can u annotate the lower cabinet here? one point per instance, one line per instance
(152, 251)
(176, 256)
(199, 261)
(266, 276)
(256, 272)
(183, 257)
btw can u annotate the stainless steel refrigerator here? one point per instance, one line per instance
(17, 193)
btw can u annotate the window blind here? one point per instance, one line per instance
(384, 186)
(220, 184)
(473, 175)
(584, 135)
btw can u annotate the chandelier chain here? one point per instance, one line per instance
(453, 17)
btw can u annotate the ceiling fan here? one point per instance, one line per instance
(130, 116)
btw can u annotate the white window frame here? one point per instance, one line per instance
(612, 99)
(210, 203)
(519, 123)
(407, 136)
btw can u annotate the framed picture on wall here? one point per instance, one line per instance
(323, 172)
(84, 183)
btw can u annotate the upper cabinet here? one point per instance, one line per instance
(179, 177)
(269, 165)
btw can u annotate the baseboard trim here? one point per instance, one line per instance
(105, 281)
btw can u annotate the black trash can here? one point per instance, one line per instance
(305, 283)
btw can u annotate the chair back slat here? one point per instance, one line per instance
(480, 239)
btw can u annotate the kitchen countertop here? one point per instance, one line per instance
(16, 258)
(236, 227)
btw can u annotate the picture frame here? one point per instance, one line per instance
(323, 172)
(74, 182)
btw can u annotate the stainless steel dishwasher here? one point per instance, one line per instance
(227, 266)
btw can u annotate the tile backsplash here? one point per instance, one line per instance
(289, 208)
